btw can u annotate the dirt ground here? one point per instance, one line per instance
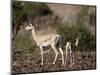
(24, 61)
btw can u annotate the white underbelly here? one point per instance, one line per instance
(46, 43)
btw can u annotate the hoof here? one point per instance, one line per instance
(41, 63)
(53, 63)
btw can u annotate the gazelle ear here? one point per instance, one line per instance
(32, 23)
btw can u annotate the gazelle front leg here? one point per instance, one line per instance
(67, 48)
(55, 51)
(71, 57)
(41, 48)
(66, 54)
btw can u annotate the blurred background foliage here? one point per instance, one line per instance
(83, 28)
(87, 41)
(24, 11)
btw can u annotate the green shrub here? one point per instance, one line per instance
(70, 32)
(24, 43)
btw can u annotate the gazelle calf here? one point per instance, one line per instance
(41, 40)
(71, 46)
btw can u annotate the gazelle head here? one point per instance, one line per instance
(29, 27)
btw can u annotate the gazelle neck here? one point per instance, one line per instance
(34, 33)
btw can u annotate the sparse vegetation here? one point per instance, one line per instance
(26, 55)
(24, 43)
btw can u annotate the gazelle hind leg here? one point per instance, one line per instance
(55, 51)
(61, 51)
(41, 48)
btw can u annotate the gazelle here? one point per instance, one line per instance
(71, 46)
(46, 40)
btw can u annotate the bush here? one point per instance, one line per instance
(25, 43)
(24, 11)
(72, 31)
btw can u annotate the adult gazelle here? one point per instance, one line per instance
(50, 38)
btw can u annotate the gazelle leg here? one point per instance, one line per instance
(41, 48)
(66, 54)
(61, 51)
(55, 51)
(71, 57)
